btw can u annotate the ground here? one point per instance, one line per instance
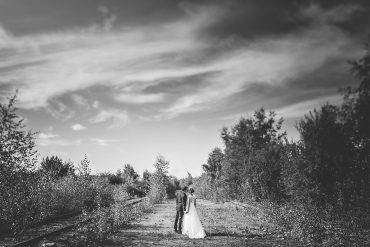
(224, 224)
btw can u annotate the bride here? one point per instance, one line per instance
(191, 223)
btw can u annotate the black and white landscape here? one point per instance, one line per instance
(262, 107)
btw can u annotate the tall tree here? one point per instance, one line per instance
(159, 180)
(327, 151)
(214, 164)
(55, 167)
(17, 146)
(18, 160)
(356, 119)
(84, 167)
(129, 173)
(242, 143)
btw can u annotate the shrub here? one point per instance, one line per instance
(315, 226)
(105, 221)
(23, 204)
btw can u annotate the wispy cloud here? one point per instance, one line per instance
(273, 61)
(78, 127)
(118, 118)
(80, 101)
(96, 104)
(46, 66)
(49, 65)
(109, 18)
(45, 136)
(103, 142)
(59, 110)
(50, 138)
(298, 110)
(139, 98)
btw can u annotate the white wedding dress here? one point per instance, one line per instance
(191, 223)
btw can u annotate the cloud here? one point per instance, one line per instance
(139, 98)
(80, 101)
(78, 127)
(298, 110)
(102, 142)
(118, 118)
(338, 14)
(103, 9)
(51, 139)
(47, 135)
(67, 61)
(270, 60)
(47, 66)
(58, 110)
(96, 104)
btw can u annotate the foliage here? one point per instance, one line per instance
(247, 145)
(214, 164)
(129, 174)
(115, 179)
(186, 181)
(17, 152)
(314, 184)
(172, 185)
(159, 180)
(17, 161)
(83, 167)
(107, 220)
(56, 168)
(315, 226)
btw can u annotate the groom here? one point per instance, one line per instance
(180, 208)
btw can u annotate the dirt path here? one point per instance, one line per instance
(223, 224)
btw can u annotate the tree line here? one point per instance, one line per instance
(326, 171)
(32, 192)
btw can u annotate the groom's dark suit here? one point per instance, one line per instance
(180, 208)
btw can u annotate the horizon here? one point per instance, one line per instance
(123, 82)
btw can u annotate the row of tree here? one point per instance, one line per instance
(328, 165)
(30, 193)
(327, 168)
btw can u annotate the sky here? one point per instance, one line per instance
(125, 81)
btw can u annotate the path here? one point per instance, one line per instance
(223, 224)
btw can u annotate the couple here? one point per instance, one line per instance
(187, 218)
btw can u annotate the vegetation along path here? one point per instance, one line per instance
(225, 224)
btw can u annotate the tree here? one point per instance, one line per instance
(327, 152)
(172, 185)
(146, 181)
(146, 175)
(356, 119)
(17, 146)
(242, 142)
(129, 174)
(214, 164)
(18, 160)
(159, 180)
(84, 167)
(56, 168)
(186, 181)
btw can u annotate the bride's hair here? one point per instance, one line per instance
(191, 190)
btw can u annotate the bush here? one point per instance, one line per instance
(38, 198)
(105, 221)
(24, 204)
(315, 226)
